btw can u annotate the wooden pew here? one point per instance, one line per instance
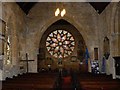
(100, 82)
(31, 82)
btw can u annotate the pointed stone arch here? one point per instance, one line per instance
(69, 20)
(80, 42)
(106, 47)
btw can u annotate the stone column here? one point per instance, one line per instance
(119, 29)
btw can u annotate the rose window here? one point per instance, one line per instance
(60, 43)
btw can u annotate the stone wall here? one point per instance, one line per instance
(108, 27)
(119, 28)
(41, 16)
(27, 30)
(14, 18)
(92, 26)
(79, 48)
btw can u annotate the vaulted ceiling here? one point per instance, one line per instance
(98, 6)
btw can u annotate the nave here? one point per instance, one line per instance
(61, 81)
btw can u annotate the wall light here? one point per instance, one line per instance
(57, 12)
(62, 13)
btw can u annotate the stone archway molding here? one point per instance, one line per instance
(68, 19)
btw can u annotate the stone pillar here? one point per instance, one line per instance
(113, 72)
(117, 66)
(107, 67)
(89, 65)
(119, 29)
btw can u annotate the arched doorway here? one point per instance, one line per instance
(62, 44)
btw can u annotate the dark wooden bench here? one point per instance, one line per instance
(100, 82)
(32, 82)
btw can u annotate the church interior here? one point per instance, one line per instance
(60, 46)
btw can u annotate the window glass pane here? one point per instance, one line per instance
(48, 39)
(72, 38)
(60, 43)
(51, 35)
(60, 31)
(48, 48)
(68, 34)
(55, 32)
(47, 44)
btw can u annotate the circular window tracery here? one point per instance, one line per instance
(60, 43)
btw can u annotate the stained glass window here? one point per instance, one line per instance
(7, 46)
(60, 43)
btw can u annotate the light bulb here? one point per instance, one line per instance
(63, 12)
(57, 12)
